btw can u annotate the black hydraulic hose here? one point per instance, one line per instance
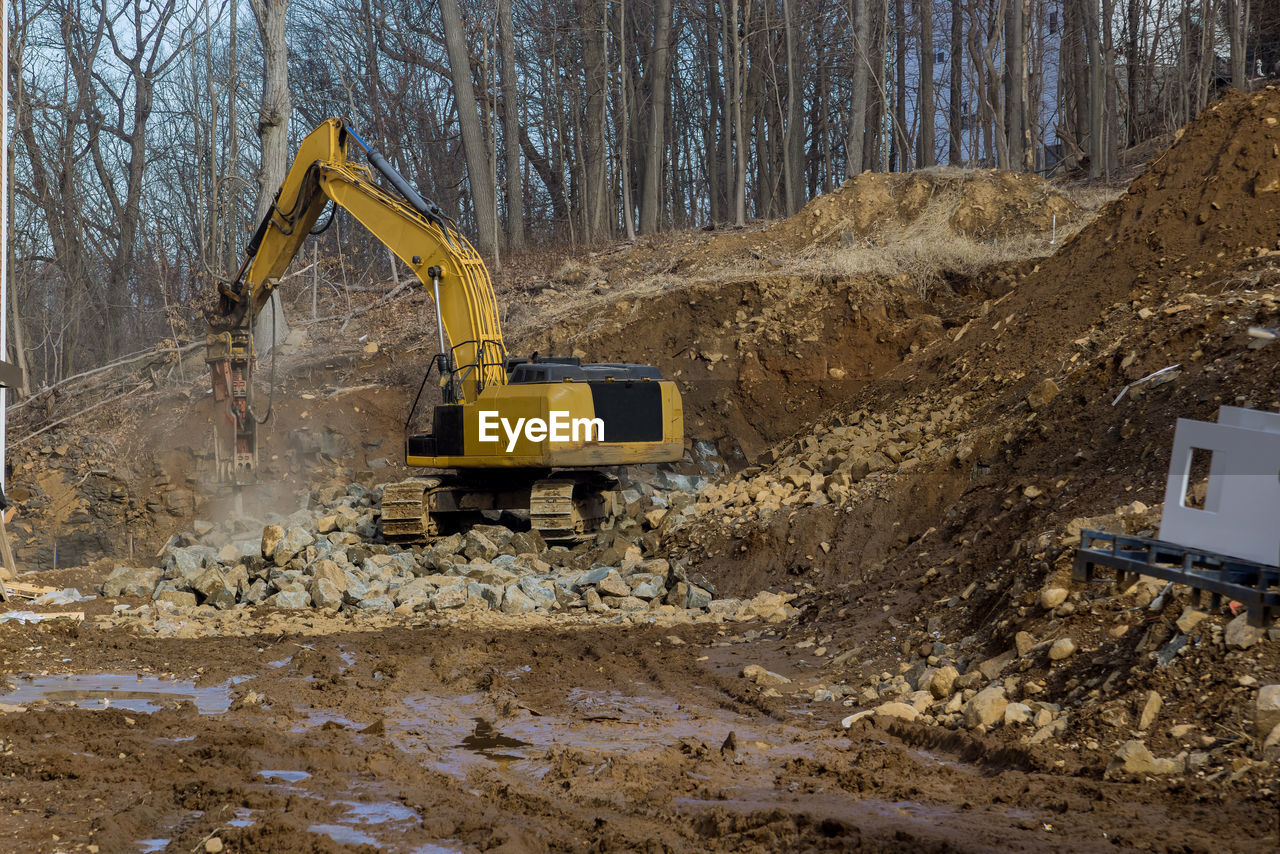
(426, 207)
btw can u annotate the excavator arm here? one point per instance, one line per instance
(411, 227)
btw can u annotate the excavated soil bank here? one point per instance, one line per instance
(756, 359)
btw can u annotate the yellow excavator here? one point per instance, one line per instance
(535, 435)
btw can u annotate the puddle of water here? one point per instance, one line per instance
(380, 812)
(348, 658)
(287, 776)
(281, 663)
(487, 741)
(244, 818)
(147, 846)
(343, 835)
(320, 717)
(131, 692)
(456, 735)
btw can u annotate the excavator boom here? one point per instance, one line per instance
(413, 229)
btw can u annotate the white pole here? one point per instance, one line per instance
(4, 223)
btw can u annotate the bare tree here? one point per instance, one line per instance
(275, 106)
(511, 126)
(927, 155)
(655, 147)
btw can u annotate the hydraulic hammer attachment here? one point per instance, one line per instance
(229, 355)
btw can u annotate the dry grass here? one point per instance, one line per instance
(1093, 196)
(928, 250)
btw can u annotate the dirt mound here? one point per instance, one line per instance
(982, 205)
(754, 359)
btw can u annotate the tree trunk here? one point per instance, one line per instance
(1097, 87)
(511, 127)
(927, 156)
(659, 72)
(1014, 83)
(955, 95)
(275, 107)
(793, 136)
(1238, 13)
(594, 162)
(474, 150)
(854, 164)
(901, 141)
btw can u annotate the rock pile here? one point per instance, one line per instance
(825, 467)
(324, 559)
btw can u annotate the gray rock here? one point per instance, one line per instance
(377, 605)
(1240, 635)
(514, 601)
(625, 603)
(415, 593)
(1266, 713)
(186, 563)
(540, 592)
(447, 598)
(477, 545)
(645, 586)
(256, 593)
(128, 581)
(527, 542)
(613, 585)
(230, 554)
(293, 599)
(698, 599)
(986, 707)
(593, 576)
(271, 537)
(176, 597)
(294, 541)
(491, 595)
(494, 576)
(325, 594)
(217, 591)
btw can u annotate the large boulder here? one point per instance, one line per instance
(294, 541)
(130, 581)
(292, 599)
(216, 590)
(515, 601)
(1266, 714)
(329, 584)
(986, 708)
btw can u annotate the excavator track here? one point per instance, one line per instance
(405, 517)
(570, 509)
(565, 508)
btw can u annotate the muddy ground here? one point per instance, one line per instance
(527, 737)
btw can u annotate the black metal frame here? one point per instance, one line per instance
(1256, 585)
